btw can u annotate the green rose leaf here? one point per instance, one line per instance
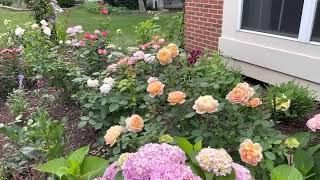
(270, 155)
(285, 172)
(113, 107)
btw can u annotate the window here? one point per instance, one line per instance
(282, 17)
(316, 25)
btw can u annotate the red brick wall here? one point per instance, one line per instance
(203, 24)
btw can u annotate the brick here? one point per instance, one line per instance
(203, 24)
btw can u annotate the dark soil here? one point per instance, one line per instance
(59, 109)
(299, 125)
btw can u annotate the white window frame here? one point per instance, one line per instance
(306, 24)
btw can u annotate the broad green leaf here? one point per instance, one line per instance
(57, 166)
(93, 174)
(198, 146)
(270, 155)
(184, 144)
(113, 107)
(92, 163)
(285, 172)
(303, 161)
(303, 138)
(313, 149)
(76, 158)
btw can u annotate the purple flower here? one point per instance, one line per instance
(242, 173)
(153, 161)
(20, 79)
(193, 56)
(110, 173)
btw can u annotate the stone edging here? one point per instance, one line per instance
(13, 8)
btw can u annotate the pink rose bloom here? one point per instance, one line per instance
(314, 123)
(112, 68)
(102, 51)
(145, 46)
(161, 42)
(104, 33)
(138, 55)
(123, 61)
(82, 43)
(156, 46)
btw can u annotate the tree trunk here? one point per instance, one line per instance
(141, 6)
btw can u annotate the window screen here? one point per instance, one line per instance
(316, 25)
(281, 17)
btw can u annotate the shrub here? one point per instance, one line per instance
(300, 100)
(7, 2)
(147, 29)
(92, 7)
(175, 29)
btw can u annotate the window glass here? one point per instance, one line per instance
(280, 17)
(316, 25)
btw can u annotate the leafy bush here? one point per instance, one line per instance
(18, 102)
(301, 100)
(92, 7)
(7, 2)
(39, 139)
(75, 166)
(175, 29)
(147, 29)
(66, 3)
(9, 70)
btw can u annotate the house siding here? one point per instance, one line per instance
(203, 24)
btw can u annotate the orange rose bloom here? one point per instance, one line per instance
(176, 97)
(254, 102)
(164, 56)
(155, 88)
(112, 134)
(135, 123)
(206, 104)
(240, 94)
(174, 50)
(250, 153)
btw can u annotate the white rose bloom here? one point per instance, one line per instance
(44, 23)
(97, 31)
(60, 42)
(34, 26)
(19, 31)
(110, 81)
(92, 83)
(105, 89)
(78, 29)
(149, 58)
(152, 79)
(46, 30)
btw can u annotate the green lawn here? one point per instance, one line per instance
(90, 22)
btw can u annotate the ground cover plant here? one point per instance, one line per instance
(156, 111)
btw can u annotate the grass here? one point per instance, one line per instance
(90, 22)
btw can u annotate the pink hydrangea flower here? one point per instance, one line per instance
(157, 161)
(242, 173)
(314, 123)
(138, 55)
(110, 173)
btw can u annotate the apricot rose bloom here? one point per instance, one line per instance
(250, 153)
(164, 56)
(155, 88)
(254, 102)
(135, 123)
(205, 104)
(112, 134)
(174, 50)
(240, 94)
(176, 97)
